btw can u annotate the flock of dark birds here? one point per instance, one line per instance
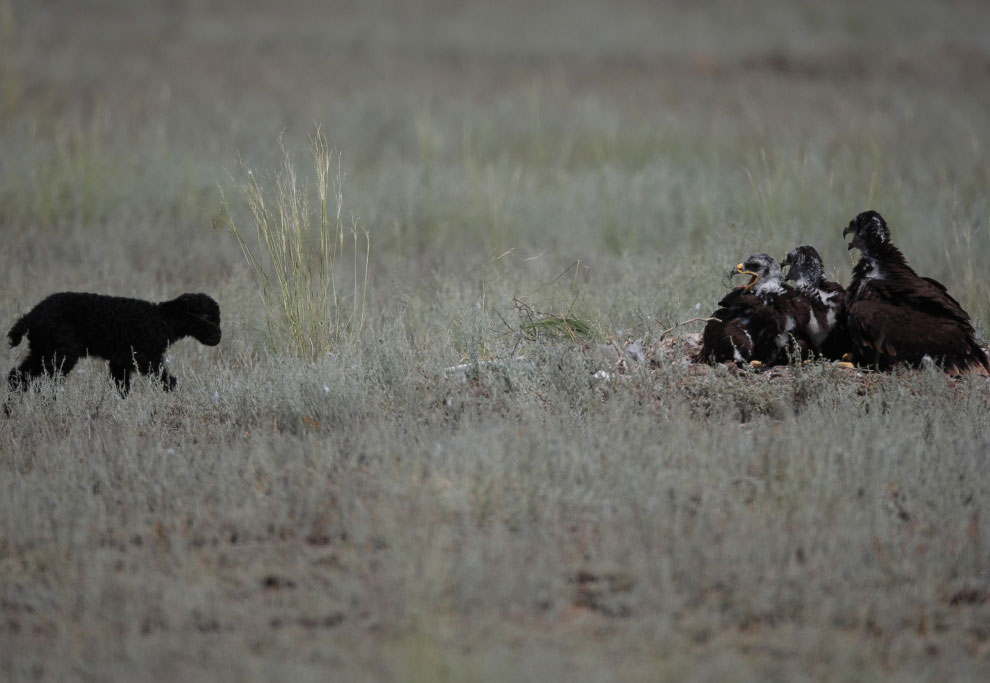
(888, 315)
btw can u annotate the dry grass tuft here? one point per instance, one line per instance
(312, 270)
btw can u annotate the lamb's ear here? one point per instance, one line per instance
(177, 309)
(181, 302)
(172, 306)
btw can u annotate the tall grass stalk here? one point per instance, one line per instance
(311, 265)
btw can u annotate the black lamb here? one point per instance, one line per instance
(130, 333)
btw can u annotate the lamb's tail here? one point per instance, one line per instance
(18, 330)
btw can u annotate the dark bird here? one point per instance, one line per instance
(130, 333)
(826, 328)
(895, 316)
(759, 321)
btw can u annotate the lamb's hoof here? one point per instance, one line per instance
(845, 364)
(847, 357)
(755, 364)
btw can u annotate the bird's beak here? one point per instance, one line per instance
(741, 269)
(852, 242)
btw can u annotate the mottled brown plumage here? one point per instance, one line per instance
(760, 321)
(896, 316)
(826, 327)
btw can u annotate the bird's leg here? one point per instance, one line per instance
(847, 361)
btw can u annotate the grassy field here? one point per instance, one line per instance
(334, 502)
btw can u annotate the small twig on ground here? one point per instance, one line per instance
(620, 361)
(523, 308)
(685, 322)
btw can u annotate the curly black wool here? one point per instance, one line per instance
(131, 334)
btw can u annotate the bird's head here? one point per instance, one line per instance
(869, 231)
(762, 269)
(804, 265)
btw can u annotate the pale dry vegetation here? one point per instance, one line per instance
(538, 184)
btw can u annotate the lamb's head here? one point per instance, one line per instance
(195, 315)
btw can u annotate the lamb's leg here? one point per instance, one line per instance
(121, 373)
(168, 381)
(38, 363)
(160, 373)
(21, 376)
(155, 367)
(17, 380)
